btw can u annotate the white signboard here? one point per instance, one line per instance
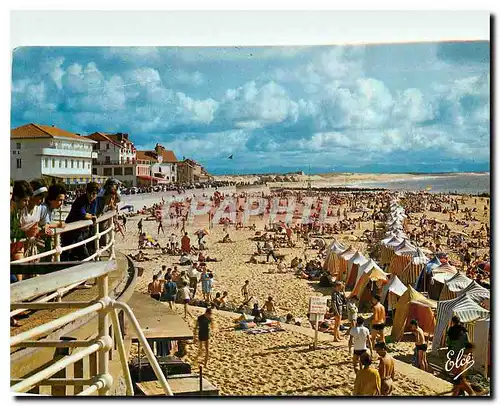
(318, 305)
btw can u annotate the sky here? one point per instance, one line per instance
(419, 107)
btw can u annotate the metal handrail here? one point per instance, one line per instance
(56, 252)
(105, 307)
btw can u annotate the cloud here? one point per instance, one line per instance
(353, 106)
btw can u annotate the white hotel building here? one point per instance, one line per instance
(40, 151)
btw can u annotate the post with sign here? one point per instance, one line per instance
(317, 310)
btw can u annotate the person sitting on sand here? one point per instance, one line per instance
(226, 239)
(294, 263)
(253, 260)
(224, 300)
(281, 266)
(367, 382)
(386, 369)
(257, 313)
(217, 301)
(139, 257)
(268, 309)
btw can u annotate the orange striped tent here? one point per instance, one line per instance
(403, 255)
(412, 270)
(340, 261)
(370, 272)
(353, 269)
(334, 249)
(387, 251)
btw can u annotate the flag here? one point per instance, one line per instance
(230, 157)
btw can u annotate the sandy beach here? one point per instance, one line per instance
(276, 363)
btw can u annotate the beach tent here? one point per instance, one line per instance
(413, 305)
(403, 256)
(477, 293)
(425, 277)
(452, 286)
(373, 278)
(392, 291)
(439, 275)
(482, 353)
(464, 307)
(387, 251)
(340, 261)
(412, 270)
(353, 269)
(332, 251)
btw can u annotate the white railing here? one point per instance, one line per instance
(56, 252)
(104, 307)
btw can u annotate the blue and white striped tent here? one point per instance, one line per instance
(464, 307)
(453, 285)
(476, 292)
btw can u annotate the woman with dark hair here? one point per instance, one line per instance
(83, 208)
(21, 193)
(54, 201)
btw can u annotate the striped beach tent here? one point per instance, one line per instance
(413, 305)
(452, 286)
(482, 334)
(340, 261)
(466, 309)
(332, 251)
(425, 277)
(412, 270)
(477, 293)
(392, 291)
(353, 269)
(372, 277)
(439, 275)
(403, 256)
(387, 251)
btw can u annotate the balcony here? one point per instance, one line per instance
(115, 163)
(73, 153)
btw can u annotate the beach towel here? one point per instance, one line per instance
(256, 331)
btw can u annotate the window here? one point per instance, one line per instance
(129, 171)
(88, 165)
(46, 162)
(65, 163)
(108, 171)
(72, 164)
(107, 159)
(118, 171)
(53, 163)
(159, 169)
(18, 145)
(94, 171)
(78, 164)
(18, 162)
(107, 146)
(14, 152)
(60, 163)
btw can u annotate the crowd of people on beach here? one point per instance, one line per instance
(36, 215)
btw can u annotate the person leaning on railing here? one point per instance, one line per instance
(21, 193)
(83, 208)
(51, 215)
(107, 200)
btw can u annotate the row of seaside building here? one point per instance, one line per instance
(45, 151)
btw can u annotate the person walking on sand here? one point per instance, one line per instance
(184, 296)
(155, 288)
(160, 225)
(244, 291)
(170, 291)
(378, 320)
(186, 244)
(367, 382)
(338, 302)
(352, 312)
(204, 324)
(420, 345)
(385, 369)
(270, 251)
(139, 226)
(360, 337)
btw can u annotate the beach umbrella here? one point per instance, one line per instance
(202, 231)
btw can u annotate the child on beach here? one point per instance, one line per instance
(352, 312)
(184, 296)
(244, 291)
